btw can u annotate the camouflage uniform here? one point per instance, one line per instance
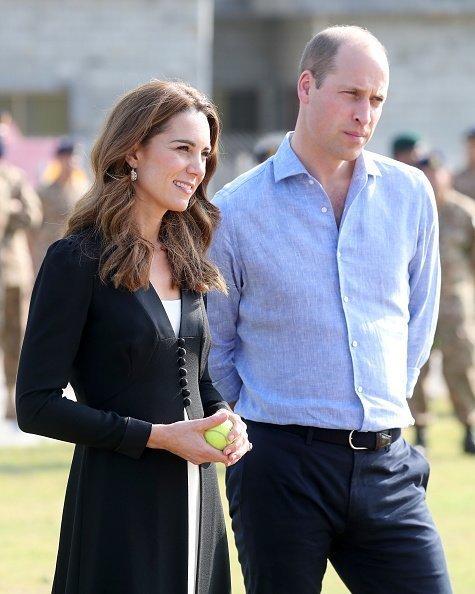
(17, 271)
(4, 217)
(455, 335)
(464, 182)
(58, 200)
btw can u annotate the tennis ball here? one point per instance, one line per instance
(218, 436)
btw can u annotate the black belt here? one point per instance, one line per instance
(356, 440)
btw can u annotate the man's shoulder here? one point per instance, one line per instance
(245, 186)
(397, 176)
(388, 165)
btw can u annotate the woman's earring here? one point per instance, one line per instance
(133, 175)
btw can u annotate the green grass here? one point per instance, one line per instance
(33, 480)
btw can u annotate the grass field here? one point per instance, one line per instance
(33, 479)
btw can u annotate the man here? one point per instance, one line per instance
(17, 270)
(456, 324)
(5, 206)
(464, 181)
(331, 257)
(67, 183)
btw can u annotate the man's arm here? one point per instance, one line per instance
(424, 283)
(223, 314)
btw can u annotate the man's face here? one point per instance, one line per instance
(342, 114)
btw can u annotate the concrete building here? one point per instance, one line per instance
(64, 62)
(431, 44)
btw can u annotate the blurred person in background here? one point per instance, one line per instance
(455, 335)
(64, 182)
(407, 148)
(5, 210)
(464, 181)
(118, 312)
(17, 269)
(267, 145)
(330, 254)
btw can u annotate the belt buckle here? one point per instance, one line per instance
(382, 440)
(350, 441)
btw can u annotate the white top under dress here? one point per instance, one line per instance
(173, 310)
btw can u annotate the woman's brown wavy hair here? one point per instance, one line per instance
(107, 209)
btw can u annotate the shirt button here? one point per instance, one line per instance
(181, 342)
(187, 401)
(324, 209)
(311, 182)
(354, 343)
(338, 253)
(346, 299)
(360, 389)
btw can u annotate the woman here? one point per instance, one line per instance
(117, 311)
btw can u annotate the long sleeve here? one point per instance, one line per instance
(210, 397)
(58, 313)
(424, 282)
(223, 312)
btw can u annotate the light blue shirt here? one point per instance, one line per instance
(324, 326)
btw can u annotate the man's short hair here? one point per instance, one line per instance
(320, 52)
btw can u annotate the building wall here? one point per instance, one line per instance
(431, 59)
(98, 49)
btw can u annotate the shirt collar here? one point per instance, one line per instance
(287, 164)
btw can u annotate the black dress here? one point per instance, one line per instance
(125, 527)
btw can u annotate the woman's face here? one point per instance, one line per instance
(172, 164)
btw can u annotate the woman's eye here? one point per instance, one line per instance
(184, 148)
(206, 154)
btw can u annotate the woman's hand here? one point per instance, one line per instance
(186, 439)
(240, 443)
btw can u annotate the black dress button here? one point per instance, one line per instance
(183, 382)
(182, 371)
(185, 392)
(181, 361)
(187, 401)
(181, 352)
(181, 342)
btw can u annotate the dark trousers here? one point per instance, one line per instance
(296, 503)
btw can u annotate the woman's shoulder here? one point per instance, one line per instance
(79, 249)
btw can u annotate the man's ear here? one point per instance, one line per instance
(305, 83)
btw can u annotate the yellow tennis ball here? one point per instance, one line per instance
(218, 436)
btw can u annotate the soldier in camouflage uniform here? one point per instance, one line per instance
(58, 197)
(455, 335)
(17, 270)
(4, 218)
(464, 181)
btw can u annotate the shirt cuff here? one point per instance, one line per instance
(135, 438)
